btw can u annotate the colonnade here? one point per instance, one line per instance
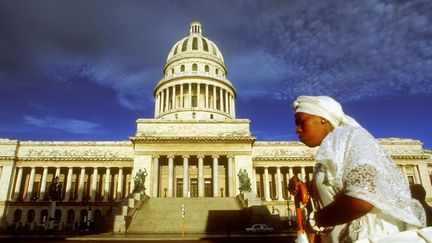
(75, 183)
(210, 169)
(198, 95)
(271, 181)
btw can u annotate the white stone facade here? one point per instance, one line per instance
(193, 147)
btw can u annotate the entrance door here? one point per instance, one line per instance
(179, 187)
(208, 190)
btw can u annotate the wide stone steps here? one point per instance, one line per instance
(164, 215)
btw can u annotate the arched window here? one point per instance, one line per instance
(194, 67)
(195, 43)
(70, 216)
(205, 46)
(44, 215)
(97, 215)
(184, 46)
(214, 49)
(175, 49)
(17, 215)
(182, 68)
(30, 215)
(172, 70)
(217, 71)
(57, 216)
(206, 68)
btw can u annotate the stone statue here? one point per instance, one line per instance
(245, 184)
(139, 181)
(54, 190)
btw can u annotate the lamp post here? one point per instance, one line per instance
(89, 217)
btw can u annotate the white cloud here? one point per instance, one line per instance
(69, 125)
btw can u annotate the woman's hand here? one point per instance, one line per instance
(342, 210)
(298, 189)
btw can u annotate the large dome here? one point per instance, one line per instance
(195, 45)
(195, 83)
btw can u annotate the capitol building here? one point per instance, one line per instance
(192, 156)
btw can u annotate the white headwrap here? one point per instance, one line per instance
(324, 107)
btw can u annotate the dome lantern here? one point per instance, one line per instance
(195, 27)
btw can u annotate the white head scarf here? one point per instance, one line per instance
(324, 107)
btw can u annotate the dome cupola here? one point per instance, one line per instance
(195, 84)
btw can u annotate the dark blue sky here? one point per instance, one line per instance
(85, 70)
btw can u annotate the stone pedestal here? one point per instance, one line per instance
(251, 199)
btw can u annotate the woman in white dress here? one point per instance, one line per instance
(357, 190)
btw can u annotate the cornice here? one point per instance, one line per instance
(232, 139)
(202, 55)
(188, 153)
(74, 159)
(307, 158)
(76, 143)
(409, 156)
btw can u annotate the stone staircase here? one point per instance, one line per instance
(202, 215)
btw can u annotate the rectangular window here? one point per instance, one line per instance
(194, 187)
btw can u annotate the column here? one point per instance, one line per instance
(279, 183)
(155, 190)
(43, 183)
(221, 99)
(198, 95)
(185, 175)
(233, 107)
(291, 174)
(68, 184)
(167, 99)
(18, 183)
(181, 96)
(303, 173)
(230, 177)
(162, 103)
(214, 97)
(170, 175)
(31, 184)
(173, 98)
(215, 176)
(266, 185)
(416, 174)
(190, 95)
(119, 195)
(156, 104)
(200, 175)
(206, 96)
(404, 173)
(81, 184)
(253, 181)
(94, 184)
(107, 184)
(226, 102)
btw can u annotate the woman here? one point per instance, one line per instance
(357, 190)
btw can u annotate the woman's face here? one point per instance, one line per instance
(311, 129)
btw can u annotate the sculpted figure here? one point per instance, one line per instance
(139, 180)
(245, 185)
